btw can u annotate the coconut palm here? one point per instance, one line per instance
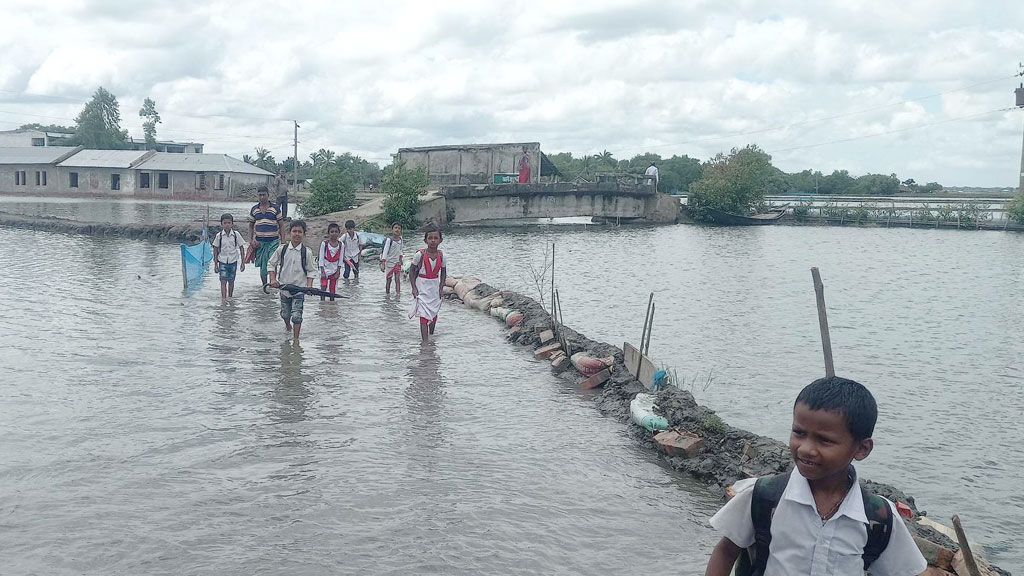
(248, 159)
(264, 160)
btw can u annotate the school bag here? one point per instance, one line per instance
(767, 494)
(284, 249)
(219, 240)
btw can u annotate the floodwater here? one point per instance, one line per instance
(150, 431)
(122, 211)
(147, 431)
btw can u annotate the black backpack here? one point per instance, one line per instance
(767, 493)
(284, 250)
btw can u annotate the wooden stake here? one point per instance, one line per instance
(972, 566)
(826, 341)
(650, 326)
(643, 335)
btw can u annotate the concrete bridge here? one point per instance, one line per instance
(612, 200)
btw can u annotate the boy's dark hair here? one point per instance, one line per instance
(430, 229)
(350, 223)
(226, 216)
(332, 226)
(846, 397)
(297, 224)
(263, 190)
(399, 224)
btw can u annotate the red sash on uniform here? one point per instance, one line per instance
(426, 271)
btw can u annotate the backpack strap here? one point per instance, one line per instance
(880, 521)
(765, 499)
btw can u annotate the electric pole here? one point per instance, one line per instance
(295, 164)
(1019, 93)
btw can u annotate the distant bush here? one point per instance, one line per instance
(333, 191)
(402, 189)
(1015, 208)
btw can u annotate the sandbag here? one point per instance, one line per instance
(447, 291)
(483, 303)
(513, 318)
(450, 282)
(496, 301)
(462, 287)
(499, 312)
(590, 365)
(368, 252)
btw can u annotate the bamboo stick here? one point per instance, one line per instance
(826, 341)
(972, 565)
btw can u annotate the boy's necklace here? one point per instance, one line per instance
(835, 507)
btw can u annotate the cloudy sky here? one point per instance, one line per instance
(923, 88)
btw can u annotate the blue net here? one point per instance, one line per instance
(194, 260)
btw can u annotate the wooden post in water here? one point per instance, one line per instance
(650, 326)
(552, 277)
(826, 341)
(643, 335)
(972, 565)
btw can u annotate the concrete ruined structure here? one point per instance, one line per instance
(53, 170)
(479, 163)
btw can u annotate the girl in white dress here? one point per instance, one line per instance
(427, 275)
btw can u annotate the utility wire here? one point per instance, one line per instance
(948, 120)
(824, 118)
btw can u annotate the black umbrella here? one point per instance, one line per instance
(305, 289)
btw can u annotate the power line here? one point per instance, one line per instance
(948, 120)
(824, 118)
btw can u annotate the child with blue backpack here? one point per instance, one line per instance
(817, 519)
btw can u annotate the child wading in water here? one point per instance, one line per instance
(228, 251)
(352, 247)
(391, 259)
(817, 519)
(427, 275)
(330, 259)
(292, 264)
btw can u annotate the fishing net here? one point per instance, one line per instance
(194, 259)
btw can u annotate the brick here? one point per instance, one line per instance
(679, 444)
(935, 555)
(545, 352)
(596, 380)
(546, 336)
(560, 364)
(512, 332)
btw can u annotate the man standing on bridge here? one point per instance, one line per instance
(281, 192)
(652, 174)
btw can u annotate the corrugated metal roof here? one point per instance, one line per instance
(34, 154)
(171, 161)
(103, 159)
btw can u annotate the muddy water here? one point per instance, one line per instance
(931, 320)
(146, 431)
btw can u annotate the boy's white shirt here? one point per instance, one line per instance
(228, 246)
(290, 271)
(351, 245)
(393, 255)
(802, 546)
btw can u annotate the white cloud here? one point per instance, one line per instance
(628, 76)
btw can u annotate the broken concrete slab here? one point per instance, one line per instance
(596, 380)
(679, 444)
(545, 352)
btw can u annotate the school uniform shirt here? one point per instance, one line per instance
(391, 252)
(229, 246)
(290, 270)
(351, 245)
(267, 222)
(329, 267)
(804, 546)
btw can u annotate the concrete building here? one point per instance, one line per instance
(31, 137)
(100, 172)
(168, 146)
(199, 175)
(32, 169)
(479, 163)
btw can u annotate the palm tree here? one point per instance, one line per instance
(607, 158)
(264, 160)
(248, 159)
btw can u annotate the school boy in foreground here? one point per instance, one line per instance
(817, 520)
(294, 264)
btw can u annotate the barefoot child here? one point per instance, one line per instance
(353, 245)
(391, 259)
(265, 231)
(817, 519)
(228, 250)
(292, 264)
(330, 259)
(427, 275)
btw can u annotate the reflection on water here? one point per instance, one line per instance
(123, 211)
(150, 431)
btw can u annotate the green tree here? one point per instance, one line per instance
(1015, 208)
(47, 128)
(98, 125)
(152, 118)
(402, 189)
(332, 191)
(675, 174)
(931, 187)
(732, 183)
(264, 160)
(364, 172)
(248, 159)
(877, 185)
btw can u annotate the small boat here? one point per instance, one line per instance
(725, 218)
(641, 412)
